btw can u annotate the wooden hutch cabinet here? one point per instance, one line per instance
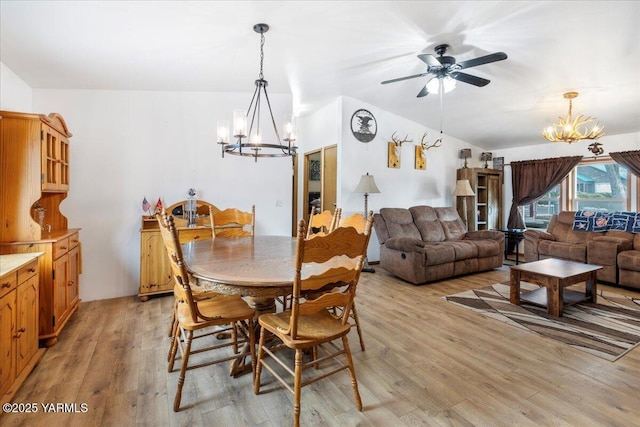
(34, 180)
(19, 293)
(484, 210)
(155, 270)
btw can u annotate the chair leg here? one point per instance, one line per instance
(354, 312)
(252, 348)
(174, 349)
(183, 371)
(297, 388)
(354, 381)
(258, 366)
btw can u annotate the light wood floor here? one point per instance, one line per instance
(428, 362)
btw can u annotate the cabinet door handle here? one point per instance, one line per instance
(19, 334)
(32, 270)
(196, 237)
(71, 282)
(6, 285)
(64, 248)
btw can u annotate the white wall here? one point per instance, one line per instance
(16, 94)
(402, 187)
(127, 145)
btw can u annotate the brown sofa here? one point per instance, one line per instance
(629, 265)
(423, 244)
(591, 247)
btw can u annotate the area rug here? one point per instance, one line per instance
(609, 328)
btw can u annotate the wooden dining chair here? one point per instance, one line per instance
(203, 319)
(322, 223)
(358, 222)
(233, 222)
(321, 263)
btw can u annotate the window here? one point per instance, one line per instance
(538, 214)
(600, 185)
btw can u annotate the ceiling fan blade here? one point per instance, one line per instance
(468, 78)
(423, 92)
(430, 60)
(404, 78)
(498, 56)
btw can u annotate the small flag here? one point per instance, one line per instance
(145, 204)
(159, 205)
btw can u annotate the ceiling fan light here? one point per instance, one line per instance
(448, 84)
(433, 85)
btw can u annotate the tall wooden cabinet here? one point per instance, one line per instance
(484, 210)
(19, 295)
(34, 180)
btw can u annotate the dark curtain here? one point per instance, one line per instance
(532, 179)
(628, 159)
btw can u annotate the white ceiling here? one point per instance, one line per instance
(318, 50)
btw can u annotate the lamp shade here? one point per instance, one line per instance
(367, 185)
(463, 188)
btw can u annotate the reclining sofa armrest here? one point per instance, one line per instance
(533, 235)
(485, 235)
(407, 244)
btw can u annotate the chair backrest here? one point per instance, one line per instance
(233, 222)
(325, 221)
(182, 288)
(330, 266)
(356, 221)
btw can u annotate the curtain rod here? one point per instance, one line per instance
(607, 158)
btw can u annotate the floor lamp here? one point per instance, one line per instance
(366, 185)
(463, 189)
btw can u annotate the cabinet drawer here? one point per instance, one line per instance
(74, 240)
(60, 248)
(28, 271)
(187, 235)
(8, 283)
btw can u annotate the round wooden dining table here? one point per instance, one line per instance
(258, 267)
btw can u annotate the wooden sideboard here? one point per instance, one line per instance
(155, 270)
(19, 294)
(34, 180)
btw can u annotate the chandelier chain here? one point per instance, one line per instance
(261, 76)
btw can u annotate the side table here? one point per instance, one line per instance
(512, 236)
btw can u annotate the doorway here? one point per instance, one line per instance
(320, 180)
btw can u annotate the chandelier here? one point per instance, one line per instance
(574, 129)
(249, 142)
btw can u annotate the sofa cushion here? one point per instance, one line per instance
(406, 244)
(487, 247)
(563, 250)
(399, 223)
(464, 249)
(426, 219)
(439, 253)
(451, 222)
(629, 260)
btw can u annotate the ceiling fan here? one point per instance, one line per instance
(445, 66)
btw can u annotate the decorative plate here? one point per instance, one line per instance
(363, 125)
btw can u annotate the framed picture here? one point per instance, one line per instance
(314, 170)
(498, 163)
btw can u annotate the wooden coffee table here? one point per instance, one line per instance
(554, 275)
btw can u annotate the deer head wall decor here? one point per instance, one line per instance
(421, 151)
(395, 150)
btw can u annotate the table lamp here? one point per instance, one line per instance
(463, 189)
(367, 185)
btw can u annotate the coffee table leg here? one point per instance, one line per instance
(591, 288)
(554, 299)
(514, 290)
